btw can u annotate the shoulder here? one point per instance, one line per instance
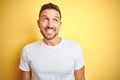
(32, 45)
(71, 43)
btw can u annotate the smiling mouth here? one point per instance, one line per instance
(49, 31)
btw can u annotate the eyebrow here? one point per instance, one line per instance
(43, 16)
(46, 16)
(57, 17)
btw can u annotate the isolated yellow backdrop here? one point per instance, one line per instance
(95, 24)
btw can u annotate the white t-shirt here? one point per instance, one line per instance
(52, 62)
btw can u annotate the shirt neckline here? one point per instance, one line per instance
(44, 44)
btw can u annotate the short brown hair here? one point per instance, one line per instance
(50, 6)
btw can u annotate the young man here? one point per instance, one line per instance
(52, 58)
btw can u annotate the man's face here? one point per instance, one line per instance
(49, 23)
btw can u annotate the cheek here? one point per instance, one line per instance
(42, 25)
(58, 26)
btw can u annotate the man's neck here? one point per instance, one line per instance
(55, 41)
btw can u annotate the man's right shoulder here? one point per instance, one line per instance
(32, 44)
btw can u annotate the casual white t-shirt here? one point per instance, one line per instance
(52, 62)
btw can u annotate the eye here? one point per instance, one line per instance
(55, 20)
(45, 19)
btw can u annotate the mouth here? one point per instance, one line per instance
(49, 30)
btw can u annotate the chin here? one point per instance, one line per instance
(50, 37)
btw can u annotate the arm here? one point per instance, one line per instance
(79, 74)
(25, 75)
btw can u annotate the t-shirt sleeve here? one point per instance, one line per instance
(24, 61)
(79, 61)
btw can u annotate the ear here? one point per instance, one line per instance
(60, 23)
(38, 23)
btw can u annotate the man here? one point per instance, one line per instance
(52, 58)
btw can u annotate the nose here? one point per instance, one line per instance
(50, 23)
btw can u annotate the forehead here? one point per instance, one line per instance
(50, 13)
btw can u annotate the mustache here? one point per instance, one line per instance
(50, 28)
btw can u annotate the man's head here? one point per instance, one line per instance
(50, 6)
(49, 21)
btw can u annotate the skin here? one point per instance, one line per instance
(25, 75)
(49, 24)
(79, 74)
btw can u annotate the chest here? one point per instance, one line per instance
(52, 61)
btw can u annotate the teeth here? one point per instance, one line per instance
(49, 31)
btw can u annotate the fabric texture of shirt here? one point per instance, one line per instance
(52, 62)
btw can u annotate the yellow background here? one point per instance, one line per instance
(95, 24)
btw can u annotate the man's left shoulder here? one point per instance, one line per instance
(72, 43)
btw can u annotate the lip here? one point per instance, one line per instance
(49, 29)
